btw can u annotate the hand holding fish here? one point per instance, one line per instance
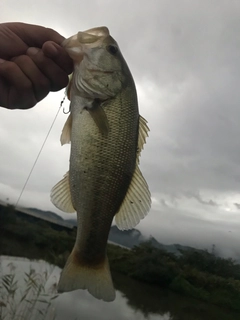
(32, 63)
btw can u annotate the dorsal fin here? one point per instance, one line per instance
(137, 201)
(142, 134)
(136, 204)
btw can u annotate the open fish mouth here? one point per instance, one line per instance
(88, 37)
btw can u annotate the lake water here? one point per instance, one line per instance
(134, 300)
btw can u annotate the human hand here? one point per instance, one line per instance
(32, 63)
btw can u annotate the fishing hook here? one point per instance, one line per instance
(61, 104)
(66, 112)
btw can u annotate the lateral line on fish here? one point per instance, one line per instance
(39, 153)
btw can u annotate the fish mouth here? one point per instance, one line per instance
(76, 44)
(92, 35)
(99, 31)
(73, 48)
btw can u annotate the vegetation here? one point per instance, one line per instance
(209, 278)
(17, 304)
(196, 273)
(34, 239)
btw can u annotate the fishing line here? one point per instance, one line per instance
(34, 164)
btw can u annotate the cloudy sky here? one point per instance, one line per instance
(185, 59)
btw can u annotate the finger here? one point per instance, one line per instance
(56, 75)
(40, 83)
(33, 35)
(16, 88)
(59, 55)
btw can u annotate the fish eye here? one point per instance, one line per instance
(112, 49)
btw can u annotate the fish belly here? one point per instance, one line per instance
(101, 169)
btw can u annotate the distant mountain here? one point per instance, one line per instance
(175, 248)
(131, 238)
(126, 238)
(71, 221)
(47, 214)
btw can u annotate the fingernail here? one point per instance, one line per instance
(2, 61)
(32, 51)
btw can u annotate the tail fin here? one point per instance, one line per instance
(97, 281)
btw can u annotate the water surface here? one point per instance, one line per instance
(134, 300)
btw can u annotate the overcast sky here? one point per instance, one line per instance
(185, 59)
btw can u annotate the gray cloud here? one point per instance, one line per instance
(163, 203)
(237, 205)
(198, 197)
(184, 57)
(180, 226)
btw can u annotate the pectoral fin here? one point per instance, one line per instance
(136, 204)
(99, 116)
(61, 196)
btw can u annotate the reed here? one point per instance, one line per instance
(27, 297)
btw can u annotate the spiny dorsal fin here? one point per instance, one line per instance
(142, 134)
(66, 131)
(61, 196)
(136, 204)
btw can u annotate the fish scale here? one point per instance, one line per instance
(111, 161)
(107, 135)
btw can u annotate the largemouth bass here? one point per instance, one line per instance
(104, 180)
